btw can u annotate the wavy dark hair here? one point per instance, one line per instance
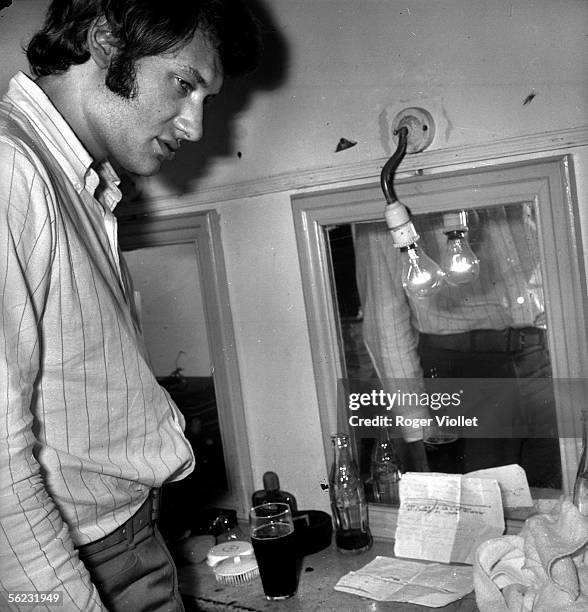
(143, 28)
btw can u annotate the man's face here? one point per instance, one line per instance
(138, 134)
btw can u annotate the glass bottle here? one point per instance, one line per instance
(580, 497)
(348, 502)
(224, 527)
(386, 471)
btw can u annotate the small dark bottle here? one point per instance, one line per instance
(271, 493)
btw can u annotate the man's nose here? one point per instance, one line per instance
(188, 122)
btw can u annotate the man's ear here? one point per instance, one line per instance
(102, 43)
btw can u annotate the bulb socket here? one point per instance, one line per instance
(401, 227)
(455, 221)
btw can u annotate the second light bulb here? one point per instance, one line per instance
(460, 264)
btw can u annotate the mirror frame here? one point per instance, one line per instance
(203, 230)
(546, 182)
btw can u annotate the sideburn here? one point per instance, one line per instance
(121, 77)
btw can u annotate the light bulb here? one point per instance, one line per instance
(459, 262)
(421, 276)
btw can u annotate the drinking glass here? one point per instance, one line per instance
(272, 536)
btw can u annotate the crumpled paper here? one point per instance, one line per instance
(543, 569)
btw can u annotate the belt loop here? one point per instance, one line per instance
(130, 531)
(515, 339)
(509, 337)
(155, 504)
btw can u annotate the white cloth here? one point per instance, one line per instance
(85, 430)
(543, 569)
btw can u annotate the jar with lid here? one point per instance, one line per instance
(348, 502)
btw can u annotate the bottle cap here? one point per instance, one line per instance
(228, 549)
(271, 482)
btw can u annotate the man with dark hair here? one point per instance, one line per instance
(87, 436)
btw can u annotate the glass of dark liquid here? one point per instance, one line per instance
(272, 536)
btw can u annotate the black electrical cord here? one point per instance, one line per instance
(387, 175)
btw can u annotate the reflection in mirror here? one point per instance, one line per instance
(166, 281)
(492, 327)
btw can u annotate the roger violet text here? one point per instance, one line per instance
(401, 421)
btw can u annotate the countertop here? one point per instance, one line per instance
(318, 575)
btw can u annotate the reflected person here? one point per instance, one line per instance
(87, 436)
(493, 327)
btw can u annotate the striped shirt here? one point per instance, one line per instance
(85, 430)
(508, 292)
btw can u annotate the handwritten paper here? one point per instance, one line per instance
(444, 517)
(389, 579)
(513, 484)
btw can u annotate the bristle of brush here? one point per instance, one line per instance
(238, 578)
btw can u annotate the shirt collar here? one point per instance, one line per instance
(66, 147)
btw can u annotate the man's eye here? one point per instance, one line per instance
(184, 85)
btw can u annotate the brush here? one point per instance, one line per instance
(236, 570)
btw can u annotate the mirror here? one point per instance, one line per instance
(391, 342)
(543, 188)
(178, 273)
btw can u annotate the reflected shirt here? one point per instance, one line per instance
(85, 429)
(507, 293)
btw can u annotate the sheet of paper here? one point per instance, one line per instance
(444, 517)
(389, 579)
(512, 480)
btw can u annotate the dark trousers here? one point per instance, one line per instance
(133, 569)
(481, 355)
